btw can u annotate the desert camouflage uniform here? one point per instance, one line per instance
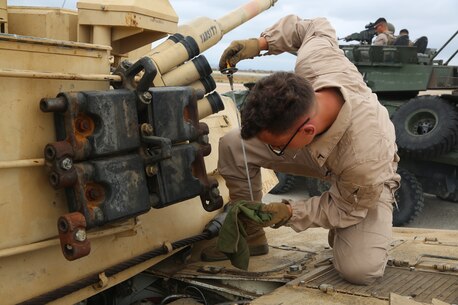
(357, 154)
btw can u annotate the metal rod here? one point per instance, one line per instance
(445, 44)
(55, 75)
(243, 13)
(130, 226)
(451, 57)
(114, 270)
(22, 163)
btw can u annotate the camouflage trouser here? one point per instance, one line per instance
(361, 250)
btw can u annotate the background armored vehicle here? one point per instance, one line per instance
(420, 92)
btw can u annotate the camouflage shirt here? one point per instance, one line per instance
(357, 154)
(383, 39)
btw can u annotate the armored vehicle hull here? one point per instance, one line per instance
(103, 174)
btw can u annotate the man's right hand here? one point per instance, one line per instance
(281, 212)
(238, 50)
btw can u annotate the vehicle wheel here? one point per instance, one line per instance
(426, 127)
(409, 198)
(316, 187)
(285, 183)
(453, 197)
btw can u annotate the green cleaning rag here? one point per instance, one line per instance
(232, 236)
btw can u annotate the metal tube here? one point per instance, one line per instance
(58, 104)
(175, 55)
(210, 104)
(101, 35)
(173, 39)
(206, 84)
(3, 17)
(203, 33)
(451, 57)
(21, 163)
(55, 75)
(188, 73)
(244, 13)
(130, 226)
(445, 44)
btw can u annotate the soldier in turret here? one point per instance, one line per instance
(384, 35)
(321, 121)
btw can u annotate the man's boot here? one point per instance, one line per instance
(256, 239)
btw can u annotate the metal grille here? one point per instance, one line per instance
(422, 286)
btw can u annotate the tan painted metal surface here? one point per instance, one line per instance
(41, 22)
(30, 253)
(125, 24)
(29, 249)
(297, 271)
(3, 17)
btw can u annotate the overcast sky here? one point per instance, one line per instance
(435, 19)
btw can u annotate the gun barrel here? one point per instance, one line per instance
(201, 34)
(242, 14)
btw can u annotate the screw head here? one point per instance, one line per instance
(80, 235)
(98, 214)
(151, 170)
(294, 268)
(147, 95)
(214, 192)
(147, 129)
(66, 164)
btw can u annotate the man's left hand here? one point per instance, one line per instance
(281, 212)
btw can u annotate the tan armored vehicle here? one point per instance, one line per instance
(108, 177)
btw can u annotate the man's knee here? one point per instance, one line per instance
(363, 273)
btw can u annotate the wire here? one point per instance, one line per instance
(175, 296)
(199, 292)
(235, 302)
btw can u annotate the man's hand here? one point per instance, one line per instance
(238, 50)
(281, 212)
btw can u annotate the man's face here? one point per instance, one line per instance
(379, 28)
(298, 136)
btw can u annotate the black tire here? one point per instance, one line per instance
(409, 198)
(426, 127)
(453, 197)
(316, 187)
(286, 183)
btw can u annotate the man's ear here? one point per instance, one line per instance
(309, 129)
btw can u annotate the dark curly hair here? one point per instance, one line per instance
(275, 103)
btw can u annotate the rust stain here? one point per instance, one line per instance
(84, 125)
(131, 20)
(94, 193)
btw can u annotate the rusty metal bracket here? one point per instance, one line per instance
(72, 235)
(120, 152)
(59, 161)
(127, 71)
